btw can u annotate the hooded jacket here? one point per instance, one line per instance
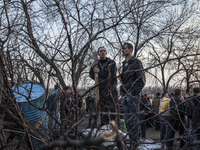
(132, 78)
(164, 105)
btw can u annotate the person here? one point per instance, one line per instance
(133, 80)
(106, 69)
(196, 98)
(164, 94)
(10, 83)
(176, 118)
(164, 111)
(171, 95)
(190, 105)
(65, 108)
(191, 102)
(155, 105)
(143, 110)
(148, 115)
(196, 123)
(52, 104)
(87, 99)
(151, 97)
(92, 108)
(80, 104)
(151, 114)
(84, 105)
(187, 95)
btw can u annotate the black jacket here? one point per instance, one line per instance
(92, 104)
(196, 119)
(134, 80)
(144, 105)
(107, 70)
(196, 99)
(174, 112)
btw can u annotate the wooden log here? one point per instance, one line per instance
(97, 95)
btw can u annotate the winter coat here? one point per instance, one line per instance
(196, 119)
(134, 80)
(174, 112)
(53, 101)
(107, 70)
(195, 99)
(91, 103)
(165, 105)
(66, 102)
(155, 104)
(143, 105)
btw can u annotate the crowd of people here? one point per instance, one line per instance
(173, 113)
(169, 113)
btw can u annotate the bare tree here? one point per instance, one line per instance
(53, 41)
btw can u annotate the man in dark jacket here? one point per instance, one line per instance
(133, 80)
(196, 121)
(53, 103)
(176, 118)
(106, 69)
(92, 108)
(65, 108)
(195, 98)
(155, 104)
(189, 106)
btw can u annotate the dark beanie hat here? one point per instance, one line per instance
(55, 86)
(196, 90)
(158, 94)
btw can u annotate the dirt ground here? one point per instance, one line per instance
(155, 135)
(151, 133)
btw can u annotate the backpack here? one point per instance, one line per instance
(188, 108)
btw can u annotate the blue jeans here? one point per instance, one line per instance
(51, 120)
(189, 135)
(90, 119)
(164, 126)
(131, 105)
